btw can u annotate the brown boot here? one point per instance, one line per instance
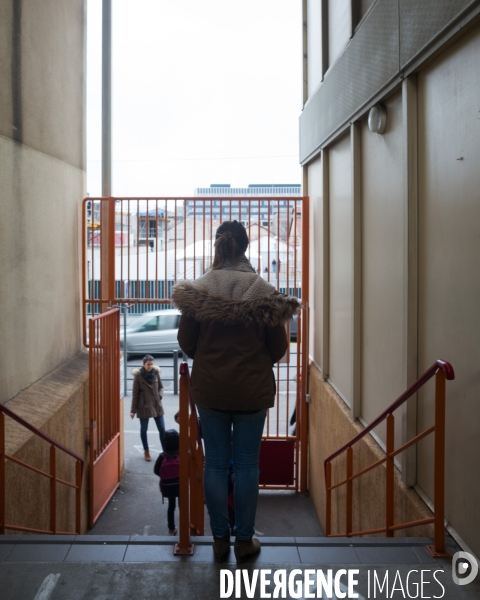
(148, 458)
(221, 548)
(245, 549)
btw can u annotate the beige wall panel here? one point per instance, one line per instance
(382, 268)
(314, 47)
(315, 190)
(339, 27)
(6, 68)
(364, 7)
(449, 282)
(49, 99)
(39, 246)
(341, 268)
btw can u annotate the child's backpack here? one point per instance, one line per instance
(167, 465)
(169, 473)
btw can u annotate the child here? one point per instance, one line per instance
(167, 467)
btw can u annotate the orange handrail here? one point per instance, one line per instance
(191, 469)
(442, 371)
(79, 465)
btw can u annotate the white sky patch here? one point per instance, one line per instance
(203, 92)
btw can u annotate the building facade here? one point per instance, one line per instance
(395, 216)
(221, 207)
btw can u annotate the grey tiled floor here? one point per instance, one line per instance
(145, 568)
(286, 550)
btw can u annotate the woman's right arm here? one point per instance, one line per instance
(276, 340)
(187, 336)
(135, 391)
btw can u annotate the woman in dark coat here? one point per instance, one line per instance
(147, 393)
(233, 326)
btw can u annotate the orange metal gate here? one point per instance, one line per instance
(135, 249)
(104, 417)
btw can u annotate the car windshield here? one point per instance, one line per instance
(167, 321)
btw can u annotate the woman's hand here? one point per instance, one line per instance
(132, 415)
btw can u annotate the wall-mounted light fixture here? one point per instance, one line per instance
(377, 119)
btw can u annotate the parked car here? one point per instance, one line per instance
(152, 333)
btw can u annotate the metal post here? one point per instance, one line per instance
(390, 474)
(303, 345)
(2, 473)
(124, 350)
(439, 466)
(106, 98)
(78, 497)
(53, 490)
(349, 491)
(184, 545)
(328, 504)
(175, 372)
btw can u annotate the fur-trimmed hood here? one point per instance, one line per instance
(137, 371)
(233, 296)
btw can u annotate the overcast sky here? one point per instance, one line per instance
(203, 92)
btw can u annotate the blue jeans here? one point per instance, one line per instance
(160, 423)
(244, 445)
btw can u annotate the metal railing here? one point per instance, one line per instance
(191, 469)
(118, 267)
(442, 371)
(52, 476)
(104, 410)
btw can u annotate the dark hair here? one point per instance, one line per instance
(146, 358)
(231, 241)
(171, 440)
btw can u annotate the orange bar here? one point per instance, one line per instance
(412, 524)
(439, 473)
(53, 490)
(84, 272)
(414, 440)
(328, 483)
(78, 497)
(304, 337)
(349, 491)
(28, 529)
(2, 473)
(390, 475)
(372, 466)
(184, 546)
(366, 532)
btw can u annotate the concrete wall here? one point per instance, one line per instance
(42, 180)
(57, 404)
(396, 219)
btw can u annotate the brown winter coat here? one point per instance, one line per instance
(233, 326)
(146, 398)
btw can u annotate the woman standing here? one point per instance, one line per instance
(233, 326)
(147, 396)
